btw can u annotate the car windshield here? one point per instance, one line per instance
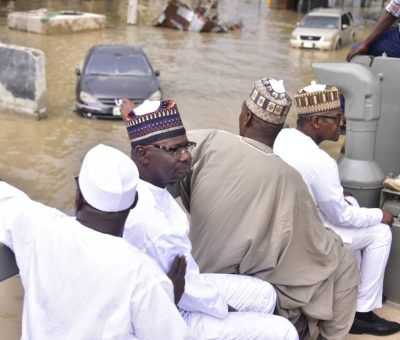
(314, 21)
(116, 64)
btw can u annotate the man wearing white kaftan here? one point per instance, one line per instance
(81, 284)
(360, 228)
(159, 227)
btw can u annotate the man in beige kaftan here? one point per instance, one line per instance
(252, 214)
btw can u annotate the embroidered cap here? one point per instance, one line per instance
(317, 98)
(269, 101)
(108, 179)
(154, 121)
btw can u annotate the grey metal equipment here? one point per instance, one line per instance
(359, 172)
(387, 147)
(370, 87)
(8, 266)
(387, 152)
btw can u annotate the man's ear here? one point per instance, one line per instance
(315, 122)
(248, 118)
(140, 153)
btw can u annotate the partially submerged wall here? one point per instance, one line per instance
(50, 22)
(22, 80)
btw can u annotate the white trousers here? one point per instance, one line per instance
(371, 247)
(255, 301)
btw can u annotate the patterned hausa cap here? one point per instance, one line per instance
(154, 121)
(317, 98)
(269, 101)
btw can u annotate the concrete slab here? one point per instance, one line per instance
(44, 21)
(22, 80)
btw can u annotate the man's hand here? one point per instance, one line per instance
(387, 218)
(361, 48)
(177, 276)
(126, 108)
(385, 20)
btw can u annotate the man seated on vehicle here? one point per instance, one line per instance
(80, 283)
(362, 230)
(382, 38)
(215, 306)
(252, 214)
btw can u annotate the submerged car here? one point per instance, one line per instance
(112, 72)
(324, 29)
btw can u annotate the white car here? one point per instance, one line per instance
(324, 29)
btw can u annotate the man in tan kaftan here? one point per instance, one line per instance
(252, 214)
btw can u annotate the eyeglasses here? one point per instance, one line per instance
(337, 118)
(176, 151)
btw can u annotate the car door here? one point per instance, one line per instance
(346, 29)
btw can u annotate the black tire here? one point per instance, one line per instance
(338, 45)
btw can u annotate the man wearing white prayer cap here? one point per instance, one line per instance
(363, 230)
(252, 214)
(215, 306)
(106, 184)
(80, 283)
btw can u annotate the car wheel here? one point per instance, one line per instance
(354, 37)
(338, 45)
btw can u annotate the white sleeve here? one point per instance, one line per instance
(328, 194)
(198, 295)
(18, 213)
(154, 315)
(12, 201)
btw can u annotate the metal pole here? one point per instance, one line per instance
(132, 12)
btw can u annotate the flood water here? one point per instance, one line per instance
(208, 75)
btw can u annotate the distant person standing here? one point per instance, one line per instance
(382, 39)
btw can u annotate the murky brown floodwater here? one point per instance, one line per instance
(207, 74)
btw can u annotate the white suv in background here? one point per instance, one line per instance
(324, 29)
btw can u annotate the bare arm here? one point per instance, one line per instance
(384, 22)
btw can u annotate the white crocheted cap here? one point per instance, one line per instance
(108, 179)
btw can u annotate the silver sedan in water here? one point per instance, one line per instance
(324, 29)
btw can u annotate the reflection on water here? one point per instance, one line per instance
(207, 74)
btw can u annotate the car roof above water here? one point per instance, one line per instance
(116, 48)
(327, 11)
